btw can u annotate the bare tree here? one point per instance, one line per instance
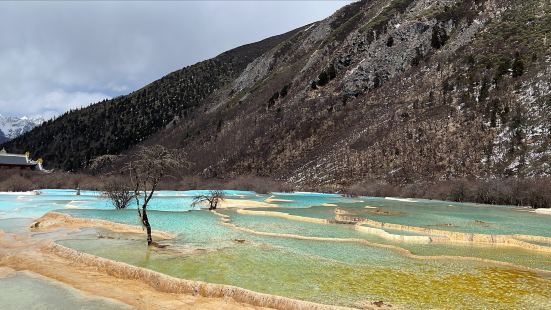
(146, 169)
(213, 198)
(118, 193)
(102, 163)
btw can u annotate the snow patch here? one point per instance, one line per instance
(12, 127)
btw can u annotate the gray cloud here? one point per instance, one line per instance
(60, 55)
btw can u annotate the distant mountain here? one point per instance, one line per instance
(12, 127)
(400, 90)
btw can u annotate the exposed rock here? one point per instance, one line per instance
(410, 90)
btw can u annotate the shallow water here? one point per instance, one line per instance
(330, 271)
(28, 291)
(444, 215)
(15, 225)
(283, 226)
(20, 205)
(341, 274)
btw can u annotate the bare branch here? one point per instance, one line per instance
(213, 198)
(147, 168)
(118, 193)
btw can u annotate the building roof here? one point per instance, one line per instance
(15, 159)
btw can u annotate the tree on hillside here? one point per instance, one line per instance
(439, 37)
(518, 65)
(146, 169)
(213, 199)
(323, 78)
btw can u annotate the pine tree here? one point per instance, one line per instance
(518, 66)
(323, 78)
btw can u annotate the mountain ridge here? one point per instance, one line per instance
(452, 117)
(396, 90)
(12, 127)
(115, 125)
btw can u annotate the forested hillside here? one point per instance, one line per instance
(396, 90)
(112, 126)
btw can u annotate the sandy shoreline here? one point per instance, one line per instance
(29, 193)
(282, 215)
(543, 211)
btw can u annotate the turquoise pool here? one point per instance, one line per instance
(260, 252)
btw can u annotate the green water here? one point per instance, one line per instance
(341, 274)
(471, 218)
(203, 229)
(284, 226)
(330, 272)
(199, 228)
(16, 225)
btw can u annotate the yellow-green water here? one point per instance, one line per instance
(340, 274)
(332, 271)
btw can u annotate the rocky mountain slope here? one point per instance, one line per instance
(401, 90)
(72, 140)
(12, 127)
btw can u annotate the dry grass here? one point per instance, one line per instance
(534, 192)
(16, 180)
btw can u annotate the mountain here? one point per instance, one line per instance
(400, 90)
(12, 127)
(72, 140)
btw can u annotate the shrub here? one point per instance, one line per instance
(518, 66)
(326, 75)
(17, 183)
(253, 183)
(284, 91)
(323, 78)
(439, 37)
(390, 41)
(273, 99)
(533, 192)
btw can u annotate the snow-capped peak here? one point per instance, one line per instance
(12, 127)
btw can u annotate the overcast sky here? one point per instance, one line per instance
(60, 55)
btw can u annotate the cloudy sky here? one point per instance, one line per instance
(60, 55)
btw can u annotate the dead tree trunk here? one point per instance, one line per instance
(145, 222)
(147, 168)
